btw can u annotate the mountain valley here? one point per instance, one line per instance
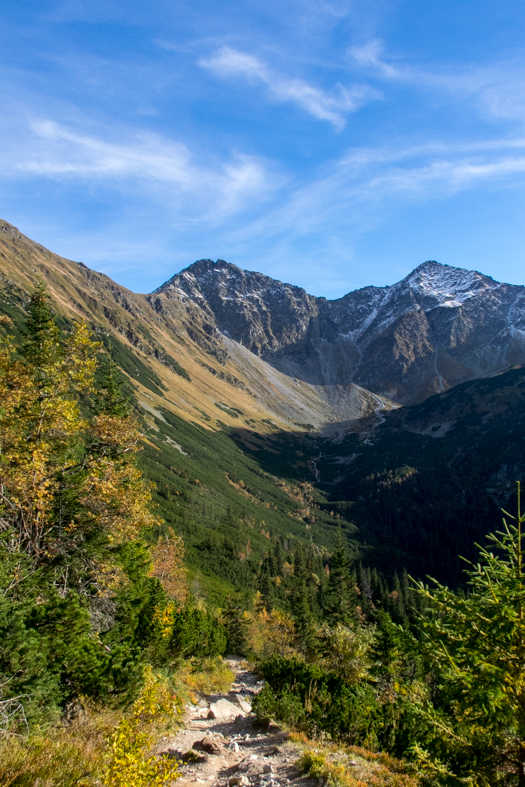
(393, 413)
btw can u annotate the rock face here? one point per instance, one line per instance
(434, 329)
(170, 342)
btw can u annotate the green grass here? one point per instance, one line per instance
(223, 504)
(133, 365)
(231, 411)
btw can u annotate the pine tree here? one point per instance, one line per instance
(267, 586)
(476, 642)
(300, 605)
(111, 398)
(341, 598)
(365, 590)
(235, 623)
(278, 558)
(72, 502)
(41, 429)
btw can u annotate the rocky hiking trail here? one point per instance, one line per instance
(221, 745)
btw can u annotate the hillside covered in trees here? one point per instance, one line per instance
(99, 611)
(139, 543)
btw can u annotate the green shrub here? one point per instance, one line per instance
(196, 633)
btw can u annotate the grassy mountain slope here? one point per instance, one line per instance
(190, 396)
(232, 452)
(165, 344)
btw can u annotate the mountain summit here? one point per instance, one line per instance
(214, 331)
(437, 327)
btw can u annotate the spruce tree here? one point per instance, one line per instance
(476, 643)
(236, 627)
(111, 398)
(71, 501)
(300, 604)
(266, 586)
(341, 597)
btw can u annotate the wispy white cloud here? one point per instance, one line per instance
(62, 153)
(332, 107)
(361, 188)
(369, 56)
(496, 89)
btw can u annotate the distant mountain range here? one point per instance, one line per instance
(398, 412)
(436, 328)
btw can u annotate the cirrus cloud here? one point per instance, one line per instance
(227, 62)
(58, 152)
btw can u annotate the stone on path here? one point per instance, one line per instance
(208, 745)
(240, 702)
(244, 706)
(222, 709)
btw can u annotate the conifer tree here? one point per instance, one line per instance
(341, 597)
(278, 558)
(111, 398)
(74, 584)
(476, 642)
(365, 590)
(235, 623)
(267, 586)
(41, 429)
(300, 604)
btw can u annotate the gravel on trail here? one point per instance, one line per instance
(221, 745)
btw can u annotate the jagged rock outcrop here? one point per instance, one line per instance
(215, 333)
(171, 348)
(434, 329)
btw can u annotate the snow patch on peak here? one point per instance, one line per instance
(445, 284)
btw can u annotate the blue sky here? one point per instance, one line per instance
(328, 143)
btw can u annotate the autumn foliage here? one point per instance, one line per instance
(85, 605)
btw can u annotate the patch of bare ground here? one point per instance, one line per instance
(221, 745)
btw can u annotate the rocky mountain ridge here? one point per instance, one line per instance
(225, 342)
(436, 328)
(219, 361)
(171, 349)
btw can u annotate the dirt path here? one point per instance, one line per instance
(224, 748)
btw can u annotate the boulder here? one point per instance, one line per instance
(244, 706)
(236, 699)
(222, 710)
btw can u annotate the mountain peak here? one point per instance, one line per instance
(445, 284)
(197, 270)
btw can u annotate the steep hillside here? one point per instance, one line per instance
(423, 483)
(254, 427)
(173, 353)
(193, 390)
(434, 329)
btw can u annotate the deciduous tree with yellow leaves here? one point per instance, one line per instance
(76, 595)
(68, 483)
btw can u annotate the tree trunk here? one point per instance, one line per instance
(521, 764)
